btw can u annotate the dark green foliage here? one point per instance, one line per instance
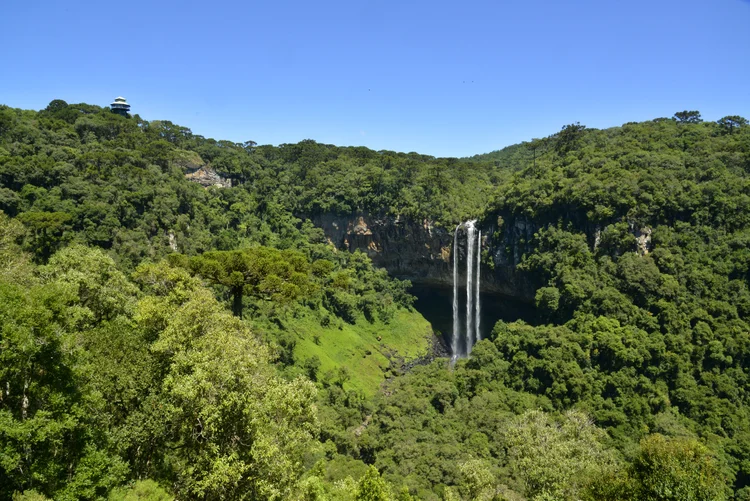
(732, 122)
(568, 138)
(633, 242)
(688, 116)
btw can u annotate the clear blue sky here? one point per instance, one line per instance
(441, 78)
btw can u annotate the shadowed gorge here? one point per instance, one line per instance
(435, 304)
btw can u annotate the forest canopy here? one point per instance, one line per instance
(160, 339)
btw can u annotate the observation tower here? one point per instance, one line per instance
(120, 106)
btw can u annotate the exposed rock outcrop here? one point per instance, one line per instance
(206, 176)
(643, 239)
(197, 170)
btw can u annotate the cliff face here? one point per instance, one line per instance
(423, 253)
(415, 250)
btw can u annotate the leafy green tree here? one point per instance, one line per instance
(477, 481)
(56, 105)
(142, 490)
(690, 117)
(14, 263)
(312, 489)
(677, 469)
(7, 118)
(48, 443)
(102, 291)
(372, 487)
(233, 428)
(569, 137)
(261, 272)
(404, 495)
(31, 495)
(731, 122)
(46, 231)
(556, 461)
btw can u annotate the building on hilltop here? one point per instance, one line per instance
(120, 106)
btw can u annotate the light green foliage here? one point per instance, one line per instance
(450, 494)
(556, 460)
(203, 403)
(312, 489)
(676, 469)
(477, 481)
(29, 496)
(344, 489)
(14, 263)
(48, 439)
(372, 487)
(142, 490)
(234, 426)
(102, 292)
(404, 495)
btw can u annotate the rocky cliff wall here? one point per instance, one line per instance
(423, 252)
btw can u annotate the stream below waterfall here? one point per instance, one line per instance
(435, 303)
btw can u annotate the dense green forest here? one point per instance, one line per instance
(161, 340)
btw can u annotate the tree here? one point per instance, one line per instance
(46, 231)
(731, 122)
(568, 137)
(56, 105)
(557, 460)
(691, 117)
(403, 495)
(102, 291)
(261, 272)
(48, 440)
(7, 117)
(477, 481)
(233, 429)
(677, 469)
(372, 487)
(142, 490)
(14, 263)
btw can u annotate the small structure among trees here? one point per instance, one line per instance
(120, 106)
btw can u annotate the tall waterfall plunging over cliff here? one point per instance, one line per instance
(471, 332)
(454, 339)
(477, 306)
(470, 230)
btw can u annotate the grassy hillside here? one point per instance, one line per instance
(369, 351)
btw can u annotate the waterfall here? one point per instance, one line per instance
(469, 285)
(454, 338)
(477, 306)
(462, 347)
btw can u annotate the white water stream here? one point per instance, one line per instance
(463, 342)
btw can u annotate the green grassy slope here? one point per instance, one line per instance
(367, 350)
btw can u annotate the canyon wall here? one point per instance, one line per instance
(421, 251)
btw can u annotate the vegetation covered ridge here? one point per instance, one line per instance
(159, 339)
